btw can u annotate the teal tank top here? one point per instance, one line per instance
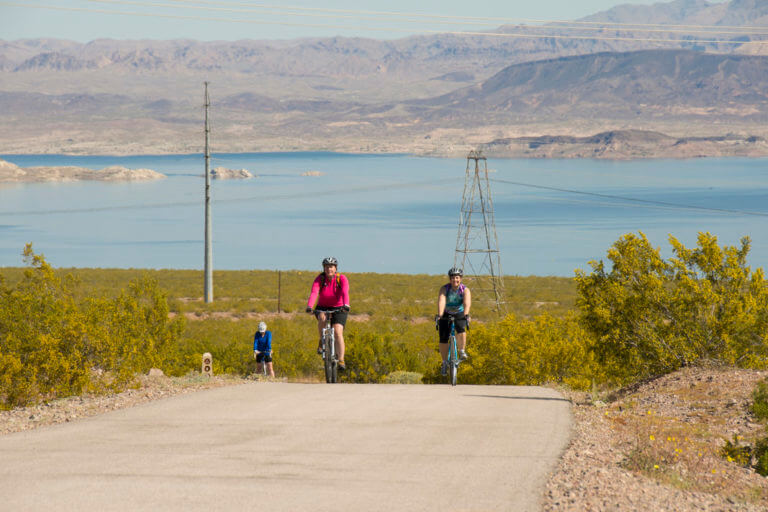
(454, 299)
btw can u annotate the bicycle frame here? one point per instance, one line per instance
(330, 362)
(263, 363)
(453, 355)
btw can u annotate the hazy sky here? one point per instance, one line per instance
(85, 20)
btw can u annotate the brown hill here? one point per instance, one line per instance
(357, 94)
(674, 83)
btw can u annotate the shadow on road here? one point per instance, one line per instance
(524, 397)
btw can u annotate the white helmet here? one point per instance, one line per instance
(262, 327)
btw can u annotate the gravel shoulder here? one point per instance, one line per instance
(656, 447)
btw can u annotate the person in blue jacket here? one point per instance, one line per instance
(262, 349)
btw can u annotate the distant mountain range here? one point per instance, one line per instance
(436, 94)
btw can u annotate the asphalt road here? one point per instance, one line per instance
(297, 447)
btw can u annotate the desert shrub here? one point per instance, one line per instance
(760, 454)
(652, 316)
(760, 400)
(378, 348)
(514, 351)
(400, 377)
(231, 345)
(737, 452)
(53, 344)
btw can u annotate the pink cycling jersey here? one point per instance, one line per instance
(332, 295)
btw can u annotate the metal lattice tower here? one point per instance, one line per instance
(477, 246)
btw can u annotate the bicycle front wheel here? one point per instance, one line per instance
(334, 371)
(453, 362)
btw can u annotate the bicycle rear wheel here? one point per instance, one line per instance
(328, 360)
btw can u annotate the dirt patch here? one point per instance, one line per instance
(657, 447)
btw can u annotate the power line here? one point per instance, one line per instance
(260, 198)
(635, 200)
(386, 29)
(410, 18)
(495, 19)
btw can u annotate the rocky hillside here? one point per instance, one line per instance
(436, 94)
(652, 83)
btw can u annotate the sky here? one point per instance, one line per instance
(228, 20)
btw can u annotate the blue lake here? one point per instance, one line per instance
(376, 213)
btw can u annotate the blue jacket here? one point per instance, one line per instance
(263, 342)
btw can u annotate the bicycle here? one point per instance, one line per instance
(263, 363)
(453, 359)
(330, 360)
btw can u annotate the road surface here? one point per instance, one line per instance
(297, 447)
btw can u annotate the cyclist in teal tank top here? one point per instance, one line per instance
(454, 300)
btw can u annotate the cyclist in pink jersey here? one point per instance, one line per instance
(331, 290)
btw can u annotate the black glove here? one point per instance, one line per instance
(345, 307)
(309, 310)
(437, 322)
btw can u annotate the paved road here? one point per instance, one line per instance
(297, 447)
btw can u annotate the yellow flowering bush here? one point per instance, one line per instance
(52, 344)
(651, 316)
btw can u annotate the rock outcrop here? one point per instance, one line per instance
(221, 173)
(12, 173)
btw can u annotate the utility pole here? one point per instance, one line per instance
(477, 246)
(208, 288)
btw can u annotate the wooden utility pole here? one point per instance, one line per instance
(208, 288)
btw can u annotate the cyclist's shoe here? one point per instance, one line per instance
(342, 366)
(320, 348)
(462, 355)
(444, 369)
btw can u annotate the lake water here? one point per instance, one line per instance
(390, 213)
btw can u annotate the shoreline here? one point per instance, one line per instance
(446, 155)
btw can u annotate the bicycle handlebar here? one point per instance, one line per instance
(452, 317)
(331, 310)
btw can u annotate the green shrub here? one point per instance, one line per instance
(737, 452)
(761, 456)
(651, 316)
(400, 377)
(515, 351)
(760, 400)
(54, 344)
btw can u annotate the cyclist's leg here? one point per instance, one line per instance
(320, 327)
(461, 340)
(320, 324)
(339, 320)
(270, 370)
(461, 334)
(338, 330)
(259, 362)
(444, 327)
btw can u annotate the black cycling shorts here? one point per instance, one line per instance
(337, 317)
(444, 324)
(261, 357)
